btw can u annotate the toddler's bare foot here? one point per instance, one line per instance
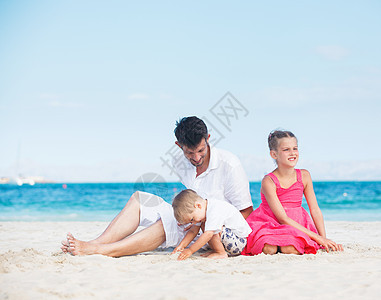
(207, 253)
(77, 247)
(218, 255)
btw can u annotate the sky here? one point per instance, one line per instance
(90, 91)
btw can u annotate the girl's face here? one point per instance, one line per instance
(287, 153)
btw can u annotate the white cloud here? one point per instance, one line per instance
(332, 52)
(122, 170)
(57, 103)
(138, 96)
(344, 170)
(354, 89)
(165, 96)
(257, 167)
(56, 100)
(48, 96)
(126, 170)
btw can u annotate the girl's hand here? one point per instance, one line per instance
(328, 244)
(184, 254)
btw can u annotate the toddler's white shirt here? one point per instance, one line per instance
(221, 213)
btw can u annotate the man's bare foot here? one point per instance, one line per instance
(218, 255)
(77, 247)
(65, 246)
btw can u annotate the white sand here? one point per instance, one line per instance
(33, 267)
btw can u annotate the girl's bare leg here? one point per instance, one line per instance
(147, 239)
(289, 250)
(270, 249)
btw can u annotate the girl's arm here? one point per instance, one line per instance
(191, 234)
(269, 190)
(315, 211)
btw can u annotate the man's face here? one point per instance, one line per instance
(196, 155)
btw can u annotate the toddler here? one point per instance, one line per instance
(224, 228)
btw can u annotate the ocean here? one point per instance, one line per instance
(339, 201)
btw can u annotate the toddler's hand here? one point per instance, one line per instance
(178, 249)
(184, 254)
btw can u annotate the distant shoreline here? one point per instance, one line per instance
(176, 182)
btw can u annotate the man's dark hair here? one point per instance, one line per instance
(190, 131)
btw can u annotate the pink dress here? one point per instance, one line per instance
(267, 229)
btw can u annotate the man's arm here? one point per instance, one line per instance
(237, 189)
(246, 212)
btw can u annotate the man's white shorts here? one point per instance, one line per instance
(152, 209)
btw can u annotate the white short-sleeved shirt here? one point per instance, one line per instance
(152, 209)
(221, 213)
(224, 179)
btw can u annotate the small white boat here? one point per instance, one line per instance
(24, 180)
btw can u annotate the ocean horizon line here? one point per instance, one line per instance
(176, 182)
(338, 200)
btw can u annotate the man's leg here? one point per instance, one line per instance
(124, 224)
(147, 239)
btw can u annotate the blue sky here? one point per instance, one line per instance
(91, 90)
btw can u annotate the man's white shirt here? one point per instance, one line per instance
(224, 179)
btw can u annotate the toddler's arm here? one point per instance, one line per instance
(191, 234)
(202, 240)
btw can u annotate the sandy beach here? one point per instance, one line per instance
(32, 266)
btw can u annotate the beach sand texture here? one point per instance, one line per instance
(32, 266)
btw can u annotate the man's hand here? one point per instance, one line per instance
(246, 212)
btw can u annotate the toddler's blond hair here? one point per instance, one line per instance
(183, 204)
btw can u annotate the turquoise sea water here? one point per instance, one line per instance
(347, 201)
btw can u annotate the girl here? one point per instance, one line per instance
(280, 223)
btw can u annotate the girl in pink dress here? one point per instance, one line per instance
(280, 223)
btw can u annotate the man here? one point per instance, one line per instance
(209, 171)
